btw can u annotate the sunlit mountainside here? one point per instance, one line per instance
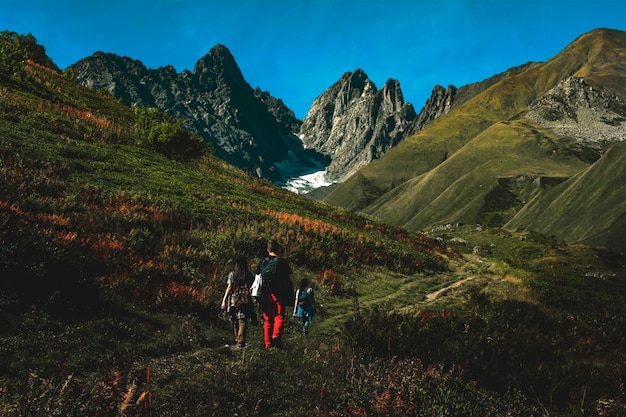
(508, 145)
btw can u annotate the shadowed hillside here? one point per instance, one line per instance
(595, 198)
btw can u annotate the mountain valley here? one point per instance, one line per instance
(470, 262)
(544, 120)
(368, 151)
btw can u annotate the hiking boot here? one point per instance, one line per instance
(305, 330)
(277, 343)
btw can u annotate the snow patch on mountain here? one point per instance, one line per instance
(309, 182)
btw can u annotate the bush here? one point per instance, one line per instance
(15, 48)
(503, 345)
(164, 134)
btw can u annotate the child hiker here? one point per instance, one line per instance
(304, 305)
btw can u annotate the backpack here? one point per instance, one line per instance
(269, 280)
(242, 297)
(304, 298)
(274, 282)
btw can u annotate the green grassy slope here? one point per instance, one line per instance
(442, 138)
(605, 53)
(404, 182)
(586, 209)
(456, 190)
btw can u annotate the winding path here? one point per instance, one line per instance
(433, 295)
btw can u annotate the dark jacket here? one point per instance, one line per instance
(280, 283)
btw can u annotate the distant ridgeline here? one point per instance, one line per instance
(348, 126)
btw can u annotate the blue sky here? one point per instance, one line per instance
(296, 49)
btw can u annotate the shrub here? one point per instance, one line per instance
(166, 135)
(16, 48)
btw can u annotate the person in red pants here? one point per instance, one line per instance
(276, 296)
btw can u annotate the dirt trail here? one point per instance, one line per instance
(433, 295)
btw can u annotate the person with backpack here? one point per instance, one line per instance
(277, 294)
(304, 305)
(237, 301)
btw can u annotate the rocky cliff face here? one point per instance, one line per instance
(589, 120)
(348, 126)
(247, 127)
(354, 123)
(439, 103)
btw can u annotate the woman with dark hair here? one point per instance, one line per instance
(237, 301)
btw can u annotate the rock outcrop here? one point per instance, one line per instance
(589, 120)
(439, 103)
(354, 123)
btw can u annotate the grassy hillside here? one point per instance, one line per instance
(77, 150)
(604, 52)
(467, 179)
(453, 170)
(116, 234)
(595, 198)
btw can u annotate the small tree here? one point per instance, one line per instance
(16, 48)
(161, 132)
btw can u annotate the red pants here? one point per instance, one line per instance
(273, 319)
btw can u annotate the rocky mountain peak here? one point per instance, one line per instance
(439, 103)
(247, 128)
(218, 67)
(351, 86)
(354, 123)
(356, 80)
(392, 96)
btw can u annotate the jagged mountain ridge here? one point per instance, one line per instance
(354, 123)
(351, 124)
(464, 165)
(247, 127)
(348, 126)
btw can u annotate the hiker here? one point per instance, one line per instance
(277, 294)
(237, 301)
(304, 305)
